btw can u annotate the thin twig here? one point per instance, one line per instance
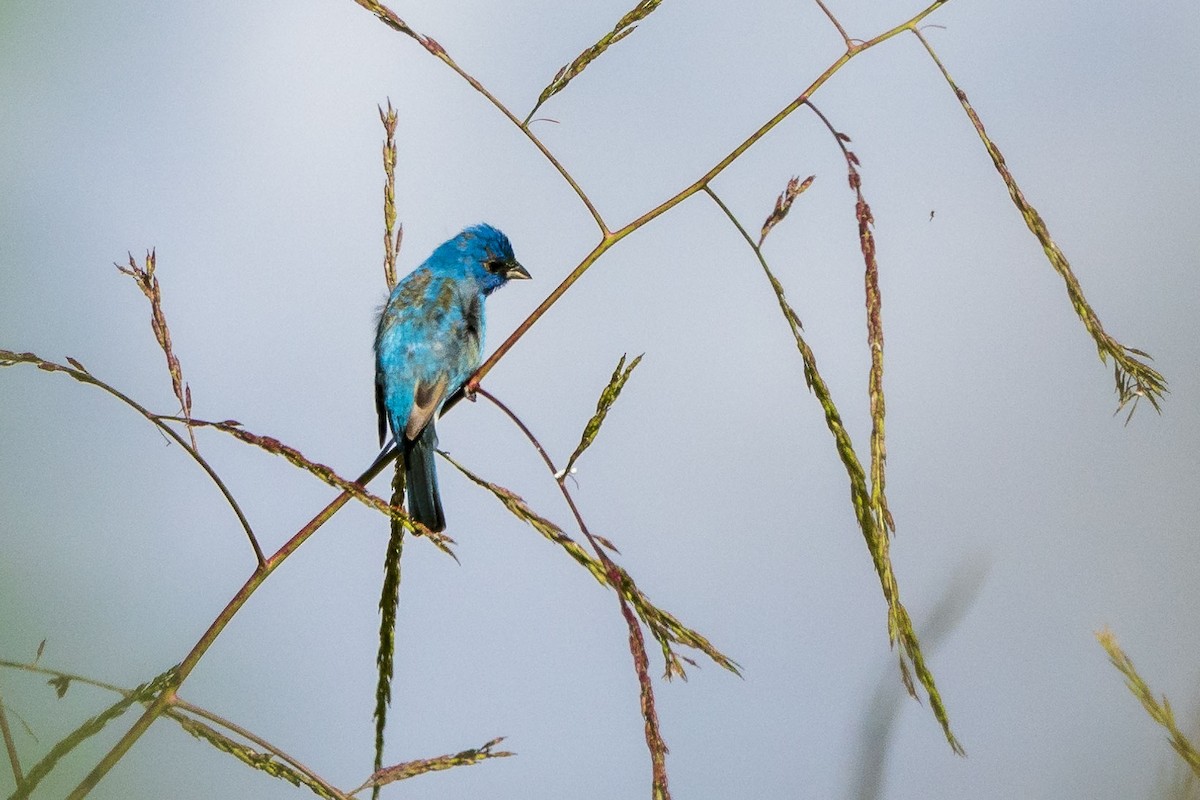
(389, 18)
(609, 239)
(327, 474)
(845, 36)
(214, 630)
(900, 625)
(1135, 379)
(79, 373)
(155, 688)
(178, 705)
(617, 578)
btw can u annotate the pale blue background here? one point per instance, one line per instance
(241, 140)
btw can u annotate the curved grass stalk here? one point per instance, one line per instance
(609, 238)
(165, 698)
(1159, 710)
(297, 774)
(900, 627)
(79, 373)
(1135, 379)
(623, 28)
(389, 18)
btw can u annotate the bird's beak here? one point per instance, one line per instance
(517, 272)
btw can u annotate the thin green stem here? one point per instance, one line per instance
(703, 181)
(609, 239)
(389, 18)
(606, 242)
(899, 624)
(545, 151)
(845, 36)
(618, 579)
(10, 745)
(1135, 379)
(179, 705)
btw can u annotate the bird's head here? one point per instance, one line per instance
(488, 257)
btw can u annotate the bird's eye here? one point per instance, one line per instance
(495, 265)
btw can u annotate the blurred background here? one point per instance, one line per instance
(243, 143)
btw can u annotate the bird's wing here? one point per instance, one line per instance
(427, 396)
(381, 407)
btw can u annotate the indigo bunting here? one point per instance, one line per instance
(430, 340)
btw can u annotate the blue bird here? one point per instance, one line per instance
(430, 340)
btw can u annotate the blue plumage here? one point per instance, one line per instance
(430, 340)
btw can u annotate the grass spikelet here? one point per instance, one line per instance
(900, 628)
(1159, 710)
(666, 629)
(607, 397)
(410, 769)
(148, 283)
(783, 204)
(1135, 379)
(91, 727)
(874, 302)
(393, 234)
(389, 604)
(263, 762)
(566, 74)
(328, 476)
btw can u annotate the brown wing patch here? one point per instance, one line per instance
(445, 297)
(426, 397)
(414, 288)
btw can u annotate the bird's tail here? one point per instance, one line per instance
(424, 502)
